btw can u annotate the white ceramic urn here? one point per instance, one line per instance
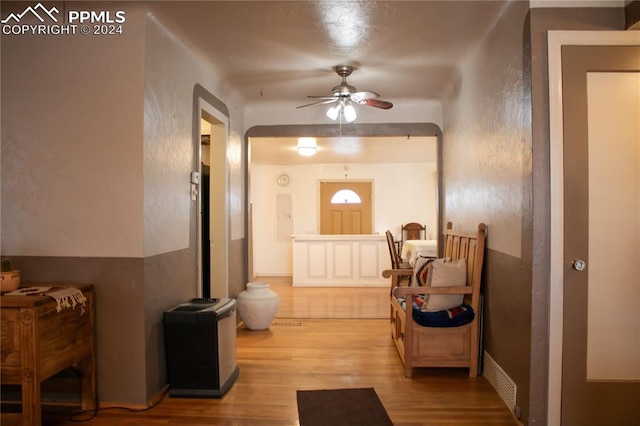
(257, 305)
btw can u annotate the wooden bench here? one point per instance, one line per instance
(423, 346)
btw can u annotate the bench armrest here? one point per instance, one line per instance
(403, 291)
(388, 273)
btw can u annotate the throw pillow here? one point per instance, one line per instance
(420, 271)
(445, 274)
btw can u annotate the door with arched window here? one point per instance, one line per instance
(345, 208)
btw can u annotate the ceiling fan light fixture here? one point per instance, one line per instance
(349, 113)
(333, 112)
(343, 97)
(307, 146)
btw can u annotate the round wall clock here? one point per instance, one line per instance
(284, 179)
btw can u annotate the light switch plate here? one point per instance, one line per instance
(195, 178)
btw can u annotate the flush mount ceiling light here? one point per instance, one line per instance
(307, 146)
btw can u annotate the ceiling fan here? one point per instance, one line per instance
(344, 96)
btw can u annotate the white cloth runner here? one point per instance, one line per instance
(69, 297)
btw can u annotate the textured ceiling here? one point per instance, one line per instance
(285, 50)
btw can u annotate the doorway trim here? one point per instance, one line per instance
(204, 101)
(556, 39)
(331, 130)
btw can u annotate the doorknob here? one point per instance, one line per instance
(579, 264)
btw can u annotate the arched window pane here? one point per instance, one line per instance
(345, 196)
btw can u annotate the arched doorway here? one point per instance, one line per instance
(405, 130)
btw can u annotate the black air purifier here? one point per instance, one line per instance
(200, 337)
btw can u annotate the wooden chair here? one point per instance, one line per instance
(412, 231)
(422, 346)
(396, 263)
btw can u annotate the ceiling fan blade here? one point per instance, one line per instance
(377, 103)
(344, 94)
(364, 95)
(322, 97)
(318, 103)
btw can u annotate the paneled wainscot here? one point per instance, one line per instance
(340, 260)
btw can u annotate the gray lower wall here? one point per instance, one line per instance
(507, 318)
(170, 279)
(119, 290)
(131, 296)
(238, 274)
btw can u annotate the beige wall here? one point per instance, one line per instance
(487, 137)
(168, 147)
(70, 159)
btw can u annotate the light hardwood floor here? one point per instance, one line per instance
(317, 341)
(334, 302)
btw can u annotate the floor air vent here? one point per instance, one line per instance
(505, 387)
(297, 323)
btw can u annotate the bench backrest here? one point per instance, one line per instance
(470, 247)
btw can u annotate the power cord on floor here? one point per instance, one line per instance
(94, 412)
(74, 417)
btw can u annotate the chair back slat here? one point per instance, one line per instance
(464, 248)
(471, 260)
(455, 251)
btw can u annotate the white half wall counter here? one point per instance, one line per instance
(340, 260)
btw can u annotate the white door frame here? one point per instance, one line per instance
(556, 39)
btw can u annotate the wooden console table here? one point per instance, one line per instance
(39, 342)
